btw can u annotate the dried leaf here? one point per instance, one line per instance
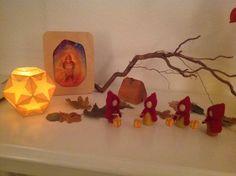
(164, 114)
(95, 111)
(173, 104)
(124, 105)
(80, 103)
(228, 121)
(70, 117)
(197, 109)
(61, 116)
(100, 112)
(53, 116)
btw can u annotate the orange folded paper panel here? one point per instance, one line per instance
(29, 90)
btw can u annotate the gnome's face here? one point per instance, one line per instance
(210, 114)
(182, 107)
(114, 103)
(149, 104)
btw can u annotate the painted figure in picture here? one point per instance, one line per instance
(149, 113)
(69, 67)
(69, 63)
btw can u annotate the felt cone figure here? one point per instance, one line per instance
(29, 90)
(215, 115)
(149, 113)
(182, 115)
(233, 16)
(112, 107)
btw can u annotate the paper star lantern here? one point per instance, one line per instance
(29, 90)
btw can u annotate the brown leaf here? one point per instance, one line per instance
(80, 103)
(64, 117)
(53, 116)
(124, 105)
(164, 114)
(228, 121)
(173, 104)
(100, 112)
(95, 111)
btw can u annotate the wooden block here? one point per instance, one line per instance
(137, 123)
(116, 122)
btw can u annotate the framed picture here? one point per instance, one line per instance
(69, 60)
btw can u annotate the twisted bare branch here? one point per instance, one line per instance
(182, 43)
(215, 58)
(166, 56)
(212, 71)
(160, 72)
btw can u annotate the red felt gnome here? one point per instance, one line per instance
(182, 115)
(149, 113)
(214, 118)
(233, 16)
(112, 106)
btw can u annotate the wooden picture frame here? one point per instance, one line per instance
(69, 61)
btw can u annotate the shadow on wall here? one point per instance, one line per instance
(103, 49)
(215, 27)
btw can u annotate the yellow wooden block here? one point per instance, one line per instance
(169, 122)
(137, 123)
(194, 124)
(116, 122)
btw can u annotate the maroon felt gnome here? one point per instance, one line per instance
(149, 113)
(182, 115)
(214, 118)
(112, 106)
(233, 16)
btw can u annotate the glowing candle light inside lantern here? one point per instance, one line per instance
(29, 90)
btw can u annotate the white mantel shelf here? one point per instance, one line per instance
(36, 146)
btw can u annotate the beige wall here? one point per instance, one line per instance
(122, 29)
